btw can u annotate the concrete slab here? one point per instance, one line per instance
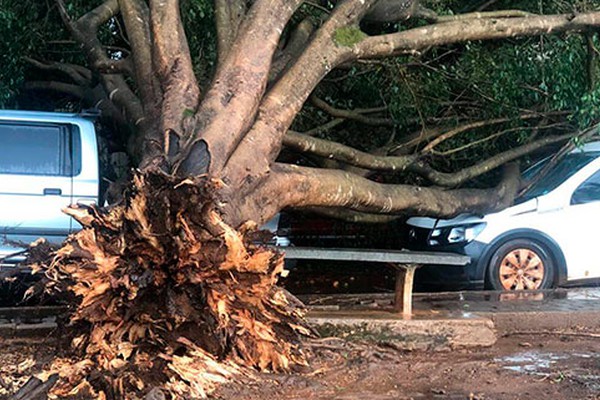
(452, 320)
(507, 323)
(437, 334)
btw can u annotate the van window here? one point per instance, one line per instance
(35, 149)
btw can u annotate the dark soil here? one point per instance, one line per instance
(517, 367)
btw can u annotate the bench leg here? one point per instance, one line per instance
(405, 275)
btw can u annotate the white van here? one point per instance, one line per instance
(548, 238)
(47, 161)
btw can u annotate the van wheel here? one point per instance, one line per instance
(521, 264)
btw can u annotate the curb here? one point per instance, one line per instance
(12, 330)
(507, 323)
(406, 334)
(482, 329)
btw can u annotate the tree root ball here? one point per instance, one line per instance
(169, 296)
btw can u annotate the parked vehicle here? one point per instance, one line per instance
(548, 238)
(47, 161)
(274, 227)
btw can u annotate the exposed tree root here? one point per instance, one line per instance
(169, 296)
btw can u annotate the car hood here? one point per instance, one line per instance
(465, 219)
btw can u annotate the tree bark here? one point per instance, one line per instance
(229, 15)
(173, 63)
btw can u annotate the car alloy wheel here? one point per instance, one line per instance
(521, 264)
(521, 269)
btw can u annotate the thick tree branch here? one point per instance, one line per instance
(346, 154)
(287, 96)
(136, 16)
(173, 63)
(84, 31)
(334, 188)
(292, 50)
(481, 15)
(61, 87)
(230, 104)
(99, 16)
(109, 67)
(76, 73)
(148, 141)
(320, 57)
(229, 14)
(118, 91)
(472, 29)
(323, 54)
(124, 99)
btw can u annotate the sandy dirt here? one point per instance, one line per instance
(517, 367)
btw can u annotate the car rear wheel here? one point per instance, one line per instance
(521, 264)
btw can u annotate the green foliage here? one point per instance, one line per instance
(16, 21)
(33, 29)
(198, 20)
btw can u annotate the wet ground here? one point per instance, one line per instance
(545, 364)
(467, 304)
(519, 367)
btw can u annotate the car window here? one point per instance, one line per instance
(32, 149)
(562, 171)
(588, 191)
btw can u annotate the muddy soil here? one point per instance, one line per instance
(517, 367)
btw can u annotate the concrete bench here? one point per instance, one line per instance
(405, 263)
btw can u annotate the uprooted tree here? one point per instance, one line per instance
(170, 292)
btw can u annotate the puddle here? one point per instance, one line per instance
(518, 296)
(530, 362)
(584, 294)
(538, 363)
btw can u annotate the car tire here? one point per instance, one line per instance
(521, 264)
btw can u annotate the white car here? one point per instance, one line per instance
(548, 238)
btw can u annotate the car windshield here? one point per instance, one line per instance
(562, 171)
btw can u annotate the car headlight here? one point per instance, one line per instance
(455, 234)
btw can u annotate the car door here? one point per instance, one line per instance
(35, 181)
(577, 227)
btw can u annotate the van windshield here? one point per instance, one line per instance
(562, 171)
